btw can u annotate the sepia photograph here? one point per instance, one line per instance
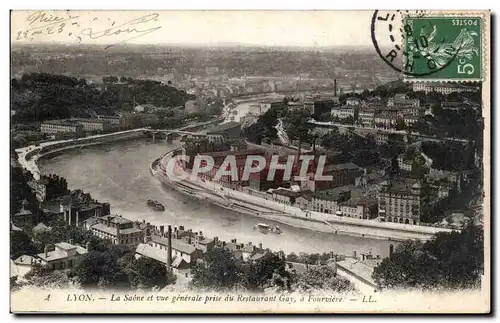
(259, 162)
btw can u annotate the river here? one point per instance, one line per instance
(118, 173)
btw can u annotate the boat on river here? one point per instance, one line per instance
(155, 205)
(264, 228)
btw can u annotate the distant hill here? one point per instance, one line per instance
(41, 96)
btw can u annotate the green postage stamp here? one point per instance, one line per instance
(443, 48)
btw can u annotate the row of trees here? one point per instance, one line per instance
(221, 271)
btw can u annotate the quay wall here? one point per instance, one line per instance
(294, 216)
(28, 156)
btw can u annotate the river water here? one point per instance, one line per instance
(118, 173)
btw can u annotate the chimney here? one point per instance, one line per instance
(260, 245)
(144, 221)
(354, 254)
(169, 252)
(70, 241)
(46, 251)
(201, 233)
(216, 239)
(162, 229)
(175, 229)
(223, 243)
(363, 256)
(181, 228)
(334, 87)
(391, 250)
(108, 220)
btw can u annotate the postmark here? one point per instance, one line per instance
(427, 47)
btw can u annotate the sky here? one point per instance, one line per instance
(269, 28)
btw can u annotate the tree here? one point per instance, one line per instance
(297, 126)
(219, 271)
(322, 278)
(148, 273)
(45, 277)
(267, 268)
(449, 260)
(21, 244)
(98, 268)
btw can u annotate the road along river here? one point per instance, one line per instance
(118, 173)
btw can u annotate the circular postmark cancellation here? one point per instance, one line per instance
(429, 47)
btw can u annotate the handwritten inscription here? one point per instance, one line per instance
(69, 27)
(125, 28)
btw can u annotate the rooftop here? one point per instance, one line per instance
(349, 166)
(63, 122)
(176, 244)
(25, 260)
(60, 252)
(285, 192)
(116, 219)
(359, 268)
(152, 252)
(358, 201)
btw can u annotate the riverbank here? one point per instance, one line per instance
(28, 156)
(290, 215)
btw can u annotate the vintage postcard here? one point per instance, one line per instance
(250, 161)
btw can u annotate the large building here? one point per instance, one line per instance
(220, 156)
(359, 208)
(75, 125)
(113, 120)
(402, 101)
(444, 88)
(345, 111)
(342, 174)
(57, 126)
(400, 202)
(117, 229)
(225, 131)
(90, 125)
(367, 117)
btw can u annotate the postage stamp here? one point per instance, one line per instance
(427, 46)
(444, 48)
(250, 161)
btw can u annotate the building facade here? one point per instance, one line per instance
(118, 230)
(400, 202)
(57, 126)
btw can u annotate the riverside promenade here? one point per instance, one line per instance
(291, 215)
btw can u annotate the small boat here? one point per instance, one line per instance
(155, 205)
(264, 228)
